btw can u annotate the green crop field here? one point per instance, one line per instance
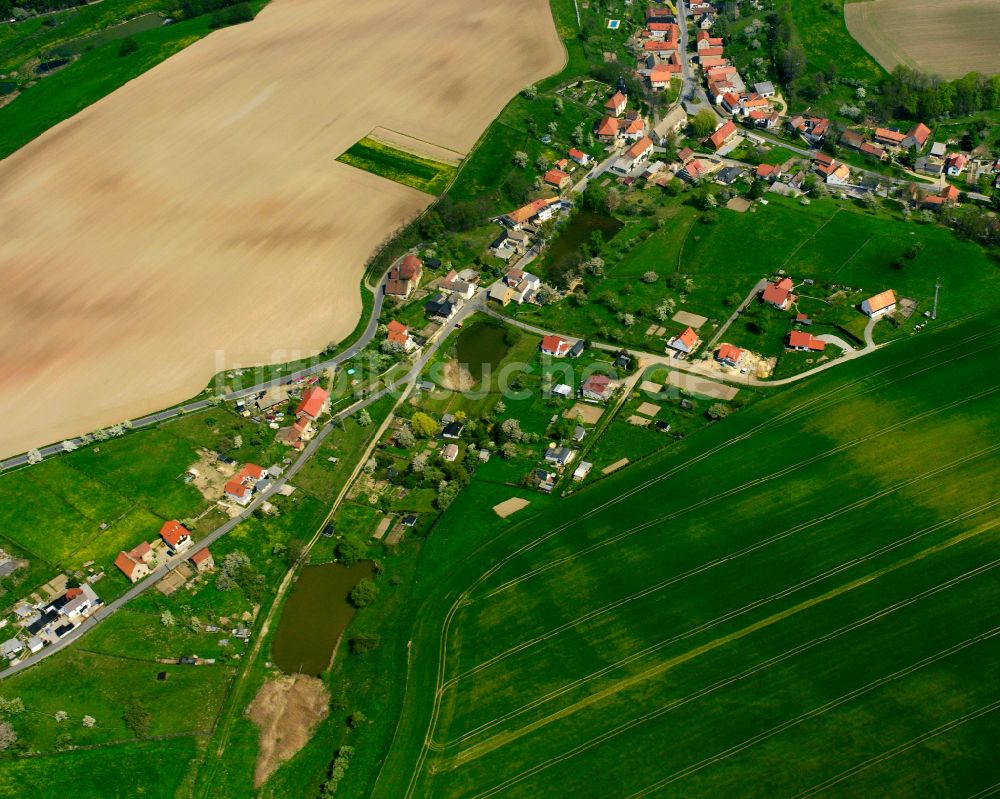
(801, 599)
(411, 170)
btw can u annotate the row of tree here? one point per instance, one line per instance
(912, 94)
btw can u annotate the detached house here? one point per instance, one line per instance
(955, 164)
(399, 334)
(917, 137)
(579, 156)
(633, 156)
(608, 130)
(725, 138)
(685, 343)
(404, 277)
(452, 283)
(536, 211)
(779, 294)
(801, 340)
(598, 387)
(889, 137)
(313, 403)
(557, 179)
(134, 564)
(203, 560)
(240, 489)
(728, 355)
(616, 105)
(176, 536)
(879, 305)
(556, 346)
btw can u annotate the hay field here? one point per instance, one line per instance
(802, 599)
(946, 39)
(200, 210)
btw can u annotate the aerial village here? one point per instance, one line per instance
(600, 390)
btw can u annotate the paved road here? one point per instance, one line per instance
(693, 94)
(404, 383)
(170, 413)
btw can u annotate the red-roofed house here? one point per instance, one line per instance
(404, 278)
(608, 130)
(660, 76)
(731, 102)
(579, 156)
(955, 163)
(705, 39)
(133, 569)
(764, 119)
(203, 560)
(556, 178)
(176, 536)
(313, 403)
(779, 294)
(879, 305)
(724, 136)
(535, 211)
(633, 127)
(889, 137)
(240, 488)
(616, 105)
(556, 346)
(768, 172)
(598, 387)
(917, 137)
(685, 343)
(729, 355)
(398, 333)
(801, 340)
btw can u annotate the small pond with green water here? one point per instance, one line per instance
(481, 346)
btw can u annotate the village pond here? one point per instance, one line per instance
(481, 347)
(315, 616)
(572, 243)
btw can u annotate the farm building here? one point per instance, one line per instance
(879, 305)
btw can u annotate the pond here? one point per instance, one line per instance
(315, 616)
(146, 22)
(577, 233)
(481, 346)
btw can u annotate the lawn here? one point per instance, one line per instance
(822, 32)
(411, 170)
(808, 581)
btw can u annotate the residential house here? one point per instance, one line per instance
(693, 171)
(768, 172)
(778, 293)
(453, 283)
(755, 102)
(597, 387)
(404, 278)
(544, 481)
(442, 306)
(453, 430)
(537, 211)
(75, 602)
(449, 452)
(659, 77)
(889, 137)
(399, 334)
(663, 15)
(203, 560)
(764, 89)
(176, 536)
(314, 402)
(939, 149)
(134, 564)
(577, 349)
(10, 648)
(729, 175)
(515, 286)
(582, 470)
(34, 644)
(728, 355)
(609, 130)
(633, 126)
(833, 172)
(508, 244)
(684, 343)
(579, 433)
(615, 106)
(929, 165)
(881, 304)
(851, 138)
(555, 346)
(873, 150)
(685, 154)
(801, 340)
(673, 123)
(955, 164)
(559, 456)
(240, 489)
(725, 138)
(917, 137)
(731, 102)
(812, 129)
(296, 434)
(557, 179)
(579, 156)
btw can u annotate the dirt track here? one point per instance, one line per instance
(199, 209)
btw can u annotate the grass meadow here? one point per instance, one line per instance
(801, 599)
(422, 174)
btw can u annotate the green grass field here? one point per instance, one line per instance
(422, 174)
(809, 583)
(828, 45)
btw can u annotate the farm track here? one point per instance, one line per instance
(749, 672)
(503, 738)
(463, 598)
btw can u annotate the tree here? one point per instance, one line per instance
(650, 277)
(356, 719)
(717, 411)
(364, 418)
(612, 200)
(703, 123)
(137, 718)
(89, 721)
(405, 437)
(298, 553)
(364, 593)
(557, 107)
(419, 463)
(167, 619)
(423, 425)
(512, 429)
(362, 643)
(520, 159)
(791, 63)
(8, 736)
(127, 47)
(529, 92)
(34, 456)
(349, 550)
(508, 450)
(11, 707)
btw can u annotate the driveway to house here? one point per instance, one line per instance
(161, 416)
(757, 289)
(403, 384)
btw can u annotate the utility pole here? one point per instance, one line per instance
(937, 287)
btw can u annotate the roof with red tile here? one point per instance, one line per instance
(727, 352)
(173, 531)
(313, 400)
(723, 134)
(555, 177)
(201, 555)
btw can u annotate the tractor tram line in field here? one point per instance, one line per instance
(837, 394)
(501, 739)
(798, 649)
(743, 487)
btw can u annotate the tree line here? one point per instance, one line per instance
(912, 94)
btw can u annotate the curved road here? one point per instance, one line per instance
(403, 383)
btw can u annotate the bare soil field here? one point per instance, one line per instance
(509, 506)
(698, 385)
(285, 710)
(946, 39)
(690, 319)
(590, 414)
(196, 219)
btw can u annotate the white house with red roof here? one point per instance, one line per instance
(881, 304)
(176, 536)
(778, 294)
(203, 560)
(134, 564)
(725, 138)
(685, 343)
(801, 340)
(399, 334)
(598, 387)
(955, 164)
(556, 346)
(240, 489)
(579, 156)
(729, 355)
(616, 104)
(314, 402)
